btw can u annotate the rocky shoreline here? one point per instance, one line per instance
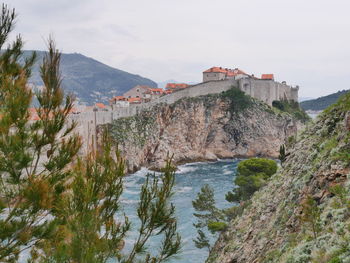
(201, 129)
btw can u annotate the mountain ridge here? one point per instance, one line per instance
(89, 79)
(322, 102)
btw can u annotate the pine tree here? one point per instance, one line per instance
(29, 188)
(63, 207)
(311, 215)
(209, 216)
(282, 154)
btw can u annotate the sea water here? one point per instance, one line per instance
(189, 180)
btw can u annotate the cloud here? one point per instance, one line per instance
(302, 42)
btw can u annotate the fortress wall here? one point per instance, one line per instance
(265, 90)
(268, 90)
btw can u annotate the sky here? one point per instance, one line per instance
(303, 42)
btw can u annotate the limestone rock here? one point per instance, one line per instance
(270, 228)
(199, 129)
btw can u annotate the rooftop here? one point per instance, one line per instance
(100, 105)
(176, 86)
(227, 71)
(267, 76)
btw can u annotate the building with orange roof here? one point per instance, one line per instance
(219, 73)
(135, 100)
(168, 91)
(176, 86)
(154, 93)
(119, 101)
(139, 91)
(267, 77)
(101, 107)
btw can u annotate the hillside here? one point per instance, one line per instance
(90, 80)
(303, 214)
(202, 128)
(321, 103)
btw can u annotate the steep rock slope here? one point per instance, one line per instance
(278, 226)
(201, 128)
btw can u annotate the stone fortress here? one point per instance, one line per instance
(264, 88)
(215, 80)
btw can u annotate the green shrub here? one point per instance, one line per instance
(216, 226)
(254, 166)
(238, 100)
(291, 107)
(278, 104)
(251, 176)
(335, 260)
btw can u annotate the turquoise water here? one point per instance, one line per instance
(189, 180)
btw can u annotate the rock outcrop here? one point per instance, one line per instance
(276, 226)
(201, 128)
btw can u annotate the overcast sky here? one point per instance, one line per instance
(304, 42)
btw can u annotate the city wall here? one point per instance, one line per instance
(265, 90)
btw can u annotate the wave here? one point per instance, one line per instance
(184, 169)
(184, 189)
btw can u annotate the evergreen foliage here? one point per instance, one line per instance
(29, 188)
(62, 207)
(282, 155)
(251, 175)
(311, 215)
(208, 216)
(238, 100)
(293, 108)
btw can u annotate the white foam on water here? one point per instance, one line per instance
(184, 189)
(183, 169)
(226, 172)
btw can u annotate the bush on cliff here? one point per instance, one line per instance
(293, 108)
(251, 175)
(238, 100)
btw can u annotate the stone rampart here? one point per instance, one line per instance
(265, 90)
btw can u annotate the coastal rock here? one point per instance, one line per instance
(200, 129)
(271, 228)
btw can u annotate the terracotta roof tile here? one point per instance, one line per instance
(119, 98)
(227, 71)
(100, 105)
(176, 86)
(134, 99)
(267, 76)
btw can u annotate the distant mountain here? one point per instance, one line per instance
(90, 80)
(305, 98)
(322, 102)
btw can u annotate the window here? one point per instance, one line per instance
(138, 90)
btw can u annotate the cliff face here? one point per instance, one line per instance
(201, 128)
(277, 226)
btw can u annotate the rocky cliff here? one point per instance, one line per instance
(201, 128)
(303, 214)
